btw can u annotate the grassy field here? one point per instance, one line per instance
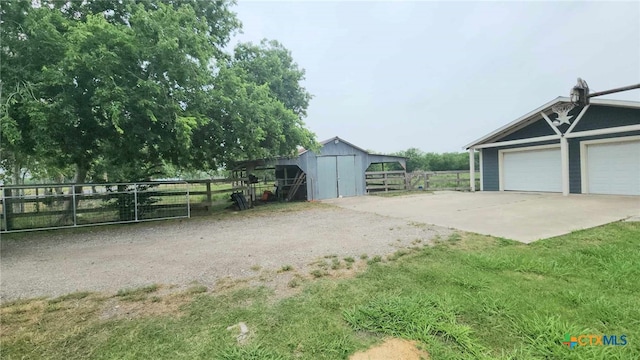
(467, 297)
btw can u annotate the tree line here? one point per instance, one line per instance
(430, 161)
(95, 90)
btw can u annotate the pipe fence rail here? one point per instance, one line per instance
(52, 206)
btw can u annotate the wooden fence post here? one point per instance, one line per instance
(7, 206)
(386, 185)
(209, 196)
(37, 201)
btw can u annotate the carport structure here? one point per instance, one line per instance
(336, 170)
(564, 148)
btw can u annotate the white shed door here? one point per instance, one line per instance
(614, 168)
(533, 170)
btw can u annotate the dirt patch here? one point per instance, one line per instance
(156, 306)
(392, 349)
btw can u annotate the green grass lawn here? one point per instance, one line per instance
(469, 297)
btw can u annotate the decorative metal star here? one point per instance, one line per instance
(562, 110)
(564, 119)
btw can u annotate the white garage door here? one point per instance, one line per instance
(614, 168)
(532, 170)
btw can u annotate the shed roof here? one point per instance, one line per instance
(325, 142)
(533, 115)
(265, 162)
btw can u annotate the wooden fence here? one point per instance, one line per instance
(440, 180)
(386, 181)
(49, 206)
(204, 193)
(46, 206)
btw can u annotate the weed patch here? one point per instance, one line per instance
(335, 264)
(136, 294)
(318, 273)
(421, 318)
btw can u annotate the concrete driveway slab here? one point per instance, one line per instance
(524, 217)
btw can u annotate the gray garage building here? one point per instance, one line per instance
(558, 147)
(336, 170)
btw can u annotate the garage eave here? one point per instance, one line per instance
(532, 115)
(507, 128)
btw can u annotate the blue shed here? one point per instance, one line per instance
(336, 170)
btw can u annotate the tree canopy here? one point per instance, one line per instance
(120, 89)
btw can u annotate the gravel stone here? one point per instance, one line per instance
(202, 250)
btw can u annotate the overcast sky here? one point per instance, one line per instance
(387, 76)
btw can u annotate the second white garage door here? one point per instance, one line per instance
(532, 170)
(613, 168)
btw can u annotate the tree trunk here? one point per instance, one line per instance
(18, 205)
(16, 173)
(79, 178)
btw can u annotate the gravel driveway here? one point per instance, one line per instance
(203, 250)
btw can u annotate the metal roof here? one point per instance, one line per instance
(265, 162)
(324, 142)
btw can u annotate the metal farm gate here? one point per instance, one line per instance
(52, 206)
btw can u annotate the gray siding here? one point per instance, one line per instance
(340, 148)
(490, 179)
(575, 186)
(309, 161)
(535, 129)
(490, 175)
(598, 117)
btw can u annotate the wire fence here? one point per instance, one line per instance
(51, 206)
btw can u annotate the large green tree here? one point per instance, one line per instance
(258, 105)
(121, 88)
(271, 64)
